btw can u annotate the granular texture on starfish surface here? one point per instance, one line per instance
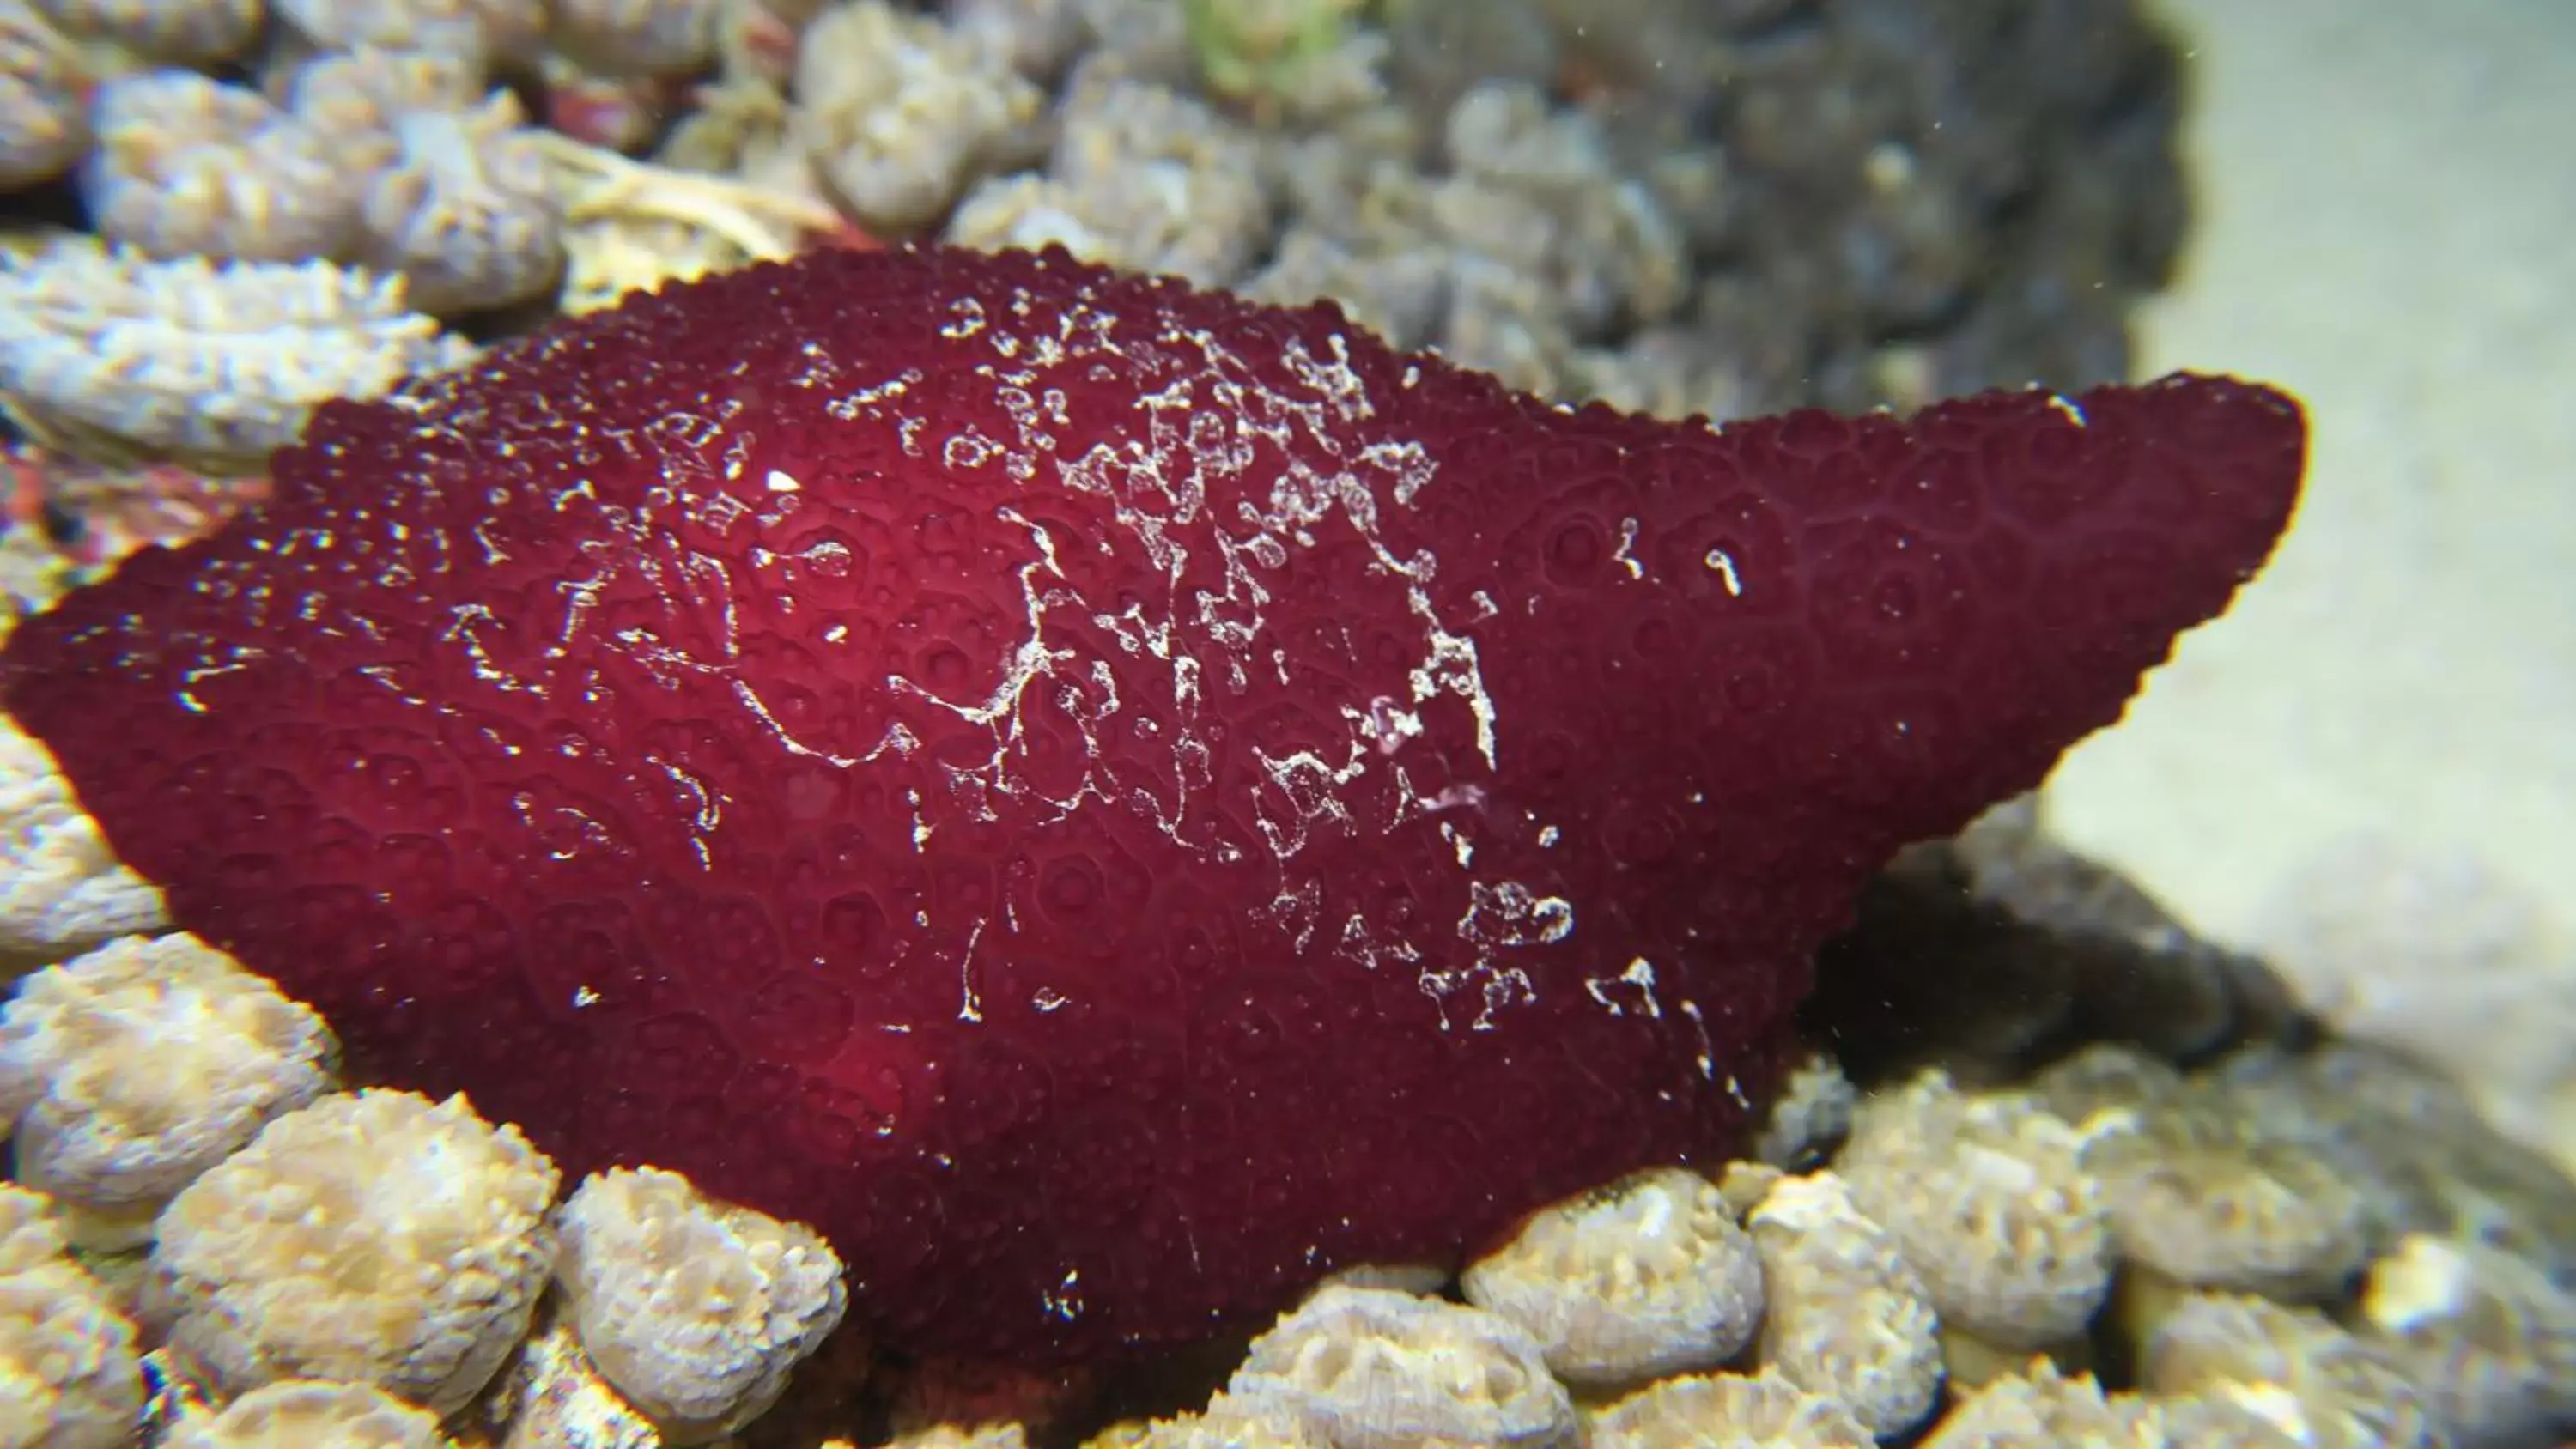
(1108, 800)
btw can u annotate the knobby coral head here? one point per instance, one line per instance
(1110, 800)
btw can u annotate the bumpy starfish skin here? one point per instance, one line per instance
(1109, 800)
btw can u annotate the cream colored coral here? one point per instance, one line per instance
(1664, 371)
(1764, 1412)
(1163, 183)
(1035, 37)
(69, 1374)
(696, 1310)
(556, 1399)
(1847, 1318)
(635, 226)
(967, 1392)
(2139, 975)
(1602, 242)
(1370, 1369)
(737, 126)
(1505, 321)
(216, 364)
(2324, 1387)
(1029, 212)
(483, 31)
(2236, 1418)
(373, 1237)
(2484, 1333)
(138, 1066)
(1812, 1112)
(1744, 1184)
(186, 166)
(1228, 1423)
(1422, 1280)
(2412, 1142)
(464, 210)
(2201, 1200)
(453, 192)
(149, 32)
(2106, 1077)
(2041, 1409)
(1646, 1277)
(636, 37)
(1989, 1200)
(309, 1414)
(950, 1436)
(355, 95)
(1298, 61)
(44, 121)
(31, 1229)
(901, 114)
(62, 890)
(1394, 292)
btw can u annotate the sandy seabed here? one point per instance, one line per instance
(2369, 768)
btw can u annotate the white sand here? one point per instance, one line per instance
(2388, 228)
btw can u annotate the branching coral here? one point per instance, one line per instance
(1396, 293)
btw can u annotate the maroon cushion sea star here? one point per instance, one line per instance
(1108, 799)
